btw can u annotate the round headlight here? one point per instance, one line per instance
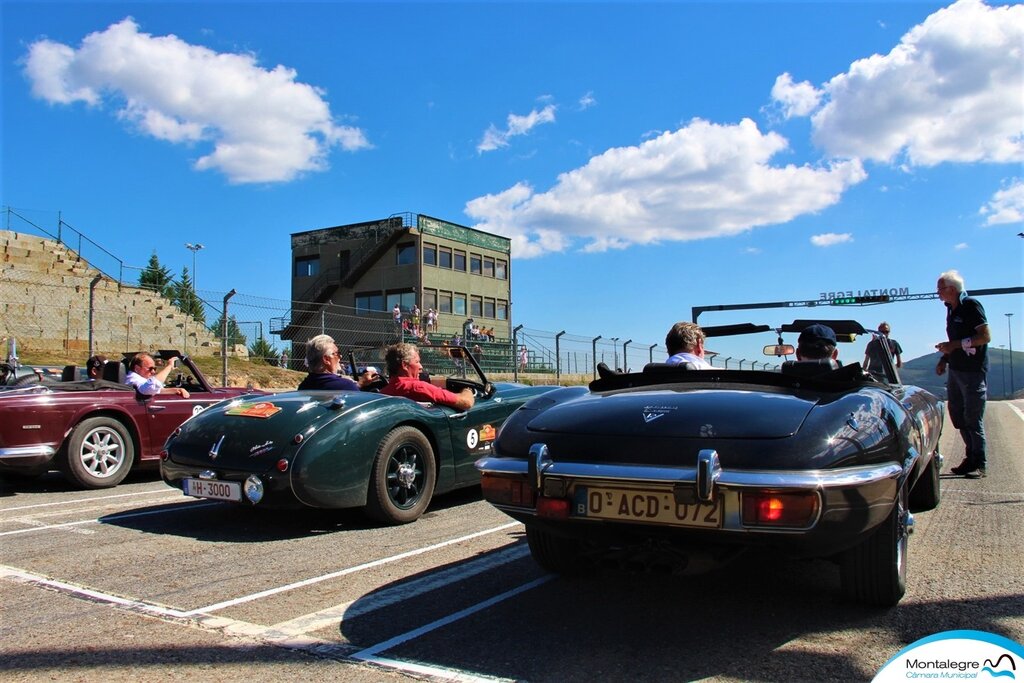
(253, 489)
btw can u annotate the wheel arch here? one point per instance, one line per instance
(124, 418)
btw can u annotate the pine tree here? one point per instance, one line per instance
(157, 278)
(185, 298)
(262, 351)
(235, 335)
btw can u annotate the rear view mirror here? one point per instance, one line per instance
(779, 350)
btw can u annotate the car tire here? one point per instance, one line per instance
(556, 554)
(98, 454)
(403, 477)
(875, 571)
(927, 493)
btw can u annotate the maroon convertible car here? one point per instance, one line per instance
(95, 431)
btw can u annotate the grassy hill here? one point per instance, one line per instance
(921, 372)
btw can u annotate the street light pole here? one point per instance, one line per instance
(193, 248)
(1009, 334)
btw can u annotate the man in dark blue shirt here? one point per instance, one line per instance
(965, 354)
(324, 361)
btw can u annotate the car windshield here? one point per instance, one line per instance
(438, 361)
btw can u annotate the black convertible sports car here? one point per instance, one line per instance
(688, 468)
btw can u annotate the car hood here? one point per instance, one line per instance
(709, 413)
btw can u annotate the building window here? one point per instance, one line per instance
(488, 266)
(444, 257)
(460, 261)
(429, 299)
(459, 304)
(369, 302)
(444, 300)
(476, 306)
(307, 265)
(429, 254)
(475, 264)
(404, 299)
(488, 308)
(502, 310)
(405, 254)
(501, 269)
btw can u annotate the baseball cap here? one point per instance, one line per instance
(817, 334)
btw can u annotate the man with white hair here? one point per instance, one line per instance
(965, 355)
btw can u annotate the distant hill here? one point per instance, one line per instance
(921, 372)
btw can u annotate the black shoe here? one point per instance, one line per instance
(963, 468)
(977, 473)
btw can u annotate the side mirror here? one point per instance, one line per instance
(779, 350)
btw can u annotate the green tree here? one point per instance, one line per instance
(262, 351)
(185, 298)
(157, 277)
(235, 335)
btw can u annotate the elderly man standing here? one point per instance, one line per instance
(965, 355)
(685, 344)
(404, 368)
(324, 361)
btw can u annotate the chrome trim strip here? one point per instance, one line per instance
(27, 451)
(638, 474)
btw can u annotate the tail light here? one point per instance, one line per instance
(553, 508)
(778, 509)
(504, 490)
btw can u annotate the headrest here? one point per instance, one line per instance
(658, 368)
(113, 371)
(604, 371)
(809, 368)
(69, 373)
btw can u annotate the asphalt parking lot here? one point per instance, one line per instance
(141, 583)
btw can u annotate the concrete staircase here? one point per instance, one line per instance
(45, 295)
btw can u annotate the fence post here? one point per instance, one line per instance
(558, 358)
(515, 353)
(224, 340)
(651, 352)
(625, 363)
(593, 346)
(92, 308)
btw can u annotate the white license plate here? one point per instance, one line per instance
(649, 507)
(208, 488)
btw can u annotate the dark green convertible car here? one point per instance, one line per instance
(342, 449)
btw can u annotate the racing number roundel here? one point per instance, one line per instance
(472, 438)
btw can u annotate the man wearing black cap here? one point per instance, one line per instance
(817, 342)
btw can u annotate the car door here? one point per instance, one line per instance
(165, 412)
(473, 433)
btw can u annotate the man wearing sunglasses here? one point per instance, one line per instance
(147, 380)
(324, 362)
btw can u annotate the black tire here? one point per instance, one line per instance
(875, 572)
(927, 493)
(98, 454)
(556, 554)
(403, 477)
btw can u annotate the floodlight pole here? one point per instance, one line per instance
(193, 248)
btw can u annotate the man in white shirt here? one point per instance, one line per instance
(143, 375)
(685, 344)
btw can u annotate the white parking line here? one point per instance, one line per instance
(89, 500)
(350, 570)
(370, 654)
(1020, 413)
(405, 590)
(111, 518)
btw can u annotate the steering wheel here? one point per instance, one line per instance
(457, 384)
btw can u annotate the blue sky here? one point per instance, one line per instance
(644, 157)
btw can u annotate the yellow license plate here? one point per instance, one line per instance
(648, 507)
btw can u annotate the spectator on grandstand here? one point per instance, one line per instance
(817, 342)
(431, 320)
(143, 375)
(523, 356)
(324, 361)
(94, 366)
(685, 344)
(404, 369)
(415, 315)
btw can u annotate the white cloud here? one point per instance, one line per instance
(961, 246)
(517, 125)
(949, 92)
(796, 99)
(264, 125)
(703, 180)
(1006, 205)
(829, 239)
(587, 101)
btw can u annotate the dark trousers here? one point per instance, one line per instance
(967, 392)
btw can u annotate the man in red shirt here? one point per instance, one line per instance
(404, 368)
